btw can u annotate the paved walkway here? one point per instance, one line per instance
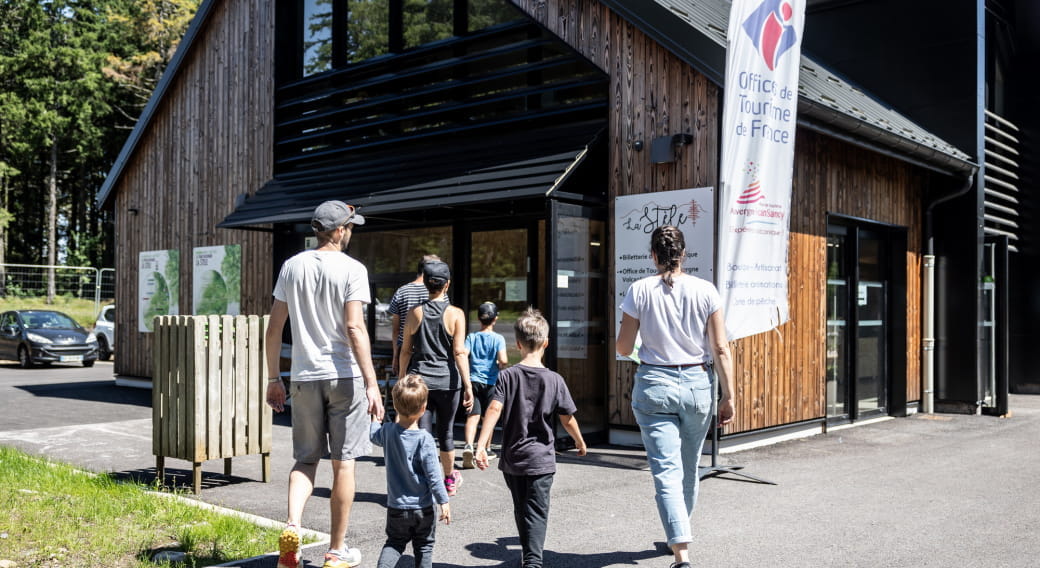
(943, 491)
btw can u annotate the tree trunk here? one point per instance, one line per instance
(3, 235)
(52, 220)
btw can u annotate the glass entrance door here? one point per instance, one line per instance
(499, 272)
(858, 358)
(578, 290)
(871, 324)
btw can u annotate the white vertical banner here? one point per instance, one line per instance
(758, 128)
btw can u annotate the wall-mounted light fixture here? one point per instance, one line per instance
(132, 211)
(662, 149)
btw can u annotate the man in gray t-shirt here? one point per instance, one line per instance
(334, 390)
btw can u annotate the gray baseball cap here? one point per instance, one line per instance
(334, 214)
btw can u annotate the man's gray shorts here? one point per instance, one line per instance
(330, 416)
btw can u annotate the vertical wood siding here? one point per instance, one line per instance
(653, 93)
(208, 143)
(780, 375)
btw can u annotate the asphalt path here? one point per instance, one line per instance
(941, 491)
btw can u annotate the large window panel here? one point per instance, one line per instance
(488, 13)
(317, 36)
(368, 29)
(427, 21)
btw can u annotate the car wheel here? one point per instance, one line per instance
(24, 357)
(88, 363)
(104, 352)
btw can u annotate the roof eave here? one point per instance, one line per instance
(700, 51)
(830, 122)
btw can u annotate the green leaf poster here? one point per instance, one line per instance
(158, 273)
(217, 280)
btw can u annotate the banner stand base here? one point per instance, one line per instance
(715, 470)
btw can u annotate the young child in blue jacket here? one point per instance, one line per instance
(413, 477)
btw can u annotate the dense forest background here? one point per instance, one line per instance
(74, 77)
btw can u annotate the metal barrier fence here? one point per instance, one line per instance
(32, 281)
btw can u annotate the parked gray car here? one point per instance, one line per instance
(45, 336)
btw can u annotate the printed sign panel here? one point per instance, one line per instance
(217, 280)
(758, 127)
(636, 217)
(572, 288)
(158, 286)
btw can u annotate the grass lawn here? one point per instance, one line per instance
(54, 515)
(77, 308)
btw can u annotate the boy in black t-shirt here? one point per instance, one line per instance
(527, 396)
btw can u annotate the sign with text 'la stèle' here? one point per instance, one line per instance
(758, 127)
(692, 211)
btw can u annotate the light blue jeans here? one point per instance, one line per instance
(673, 410)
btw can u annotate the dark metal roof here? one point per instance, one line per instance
(507, 166)
(827, 103)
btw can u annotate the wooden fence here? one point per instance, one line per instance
(208, 391)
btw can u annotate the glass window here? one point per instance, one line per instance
(427, 21)
(399, 251)
(317, 36)
(391, 258)
(368, 29)
(498, 269)
(488, 13)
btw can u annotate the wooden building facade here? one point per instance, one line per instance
(508, 152)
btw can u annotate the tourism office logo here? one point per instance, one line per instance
(753, 192)
(771, 30)
(751, 205)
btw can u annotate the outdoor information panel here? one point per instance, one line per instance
(636, 217)
(217, 280)
(158, 273)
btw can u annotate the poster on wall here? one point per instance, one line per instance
(572, 288)
(636, 217)
(158, 286)
(758, 127)
(216, 280)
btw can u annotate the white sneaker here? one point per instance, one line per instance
(467, 457)
(342, 558)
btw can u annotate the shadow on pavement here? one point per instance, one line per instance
(499, 550)
(181, 479)
(91, 391)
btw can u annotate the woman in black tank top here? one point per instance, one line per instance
(434, 347)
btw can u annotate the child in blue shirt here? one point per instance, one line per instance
(487, 354)
(413, 477)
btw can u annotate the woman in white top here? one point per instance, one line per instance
(683, 336)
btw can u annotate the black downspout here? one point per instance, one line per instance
(929, 237)
(928, 294)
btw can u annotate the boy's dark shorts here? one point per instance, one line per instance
(482, 393)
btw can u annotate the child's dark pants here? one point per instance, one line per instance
(416, 526)
(531, 509)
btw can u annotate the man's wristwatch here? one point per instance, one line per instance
(274, 379)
